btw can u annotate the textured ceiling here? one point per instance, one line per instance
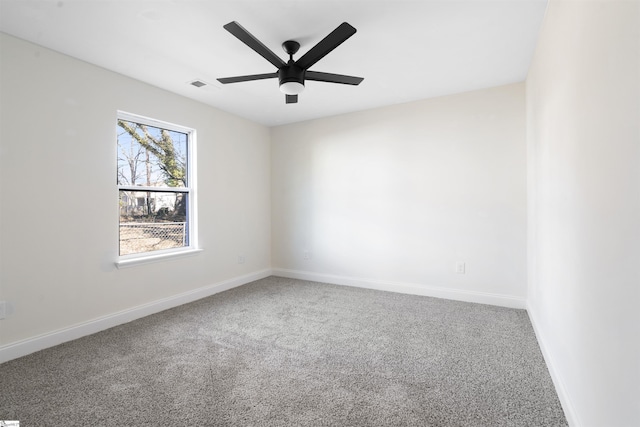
(405, 50)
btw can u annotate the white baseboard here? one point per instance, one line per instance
(50, 339)
(407, 288)
(563, 396)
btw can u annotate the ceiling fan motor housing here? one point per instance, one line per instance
(291, 73)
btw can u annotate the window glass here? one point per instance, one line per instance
(155, 195)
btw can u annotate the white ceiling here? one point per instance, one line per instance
(405, 50)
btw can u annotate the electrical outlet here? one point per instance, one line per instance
(460, 267)
(240, 259)
(306, 255)
(3, 309)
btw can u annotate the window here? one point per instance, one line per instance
(156, 188)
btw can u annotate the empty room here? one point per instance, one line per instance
(320, 213)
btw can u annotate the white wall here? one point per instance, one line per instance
(583, 104)
(394, 197)
(59, 211)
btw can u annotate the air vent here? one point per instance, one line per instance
(198, 83)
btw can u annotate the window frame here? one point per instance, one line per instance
(190, 190)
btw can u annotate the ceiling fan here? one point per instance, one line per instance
(292, 74)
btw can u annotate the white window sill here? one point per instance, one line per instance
(149, 259)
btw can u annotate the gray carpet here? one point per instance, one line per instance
(283, 352)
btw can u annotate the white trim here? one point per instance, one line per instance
(50, 339)
(407, 288)
(569, 411)
(137, 118)
(192, 161)
(157, 189)
(156, 257)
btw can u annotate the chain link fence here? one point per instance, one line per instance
(136, 237)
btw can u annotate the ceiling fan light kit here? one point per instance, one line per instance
(291, 88)
(292, 74)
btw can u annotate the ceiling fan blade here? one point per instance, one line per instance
(291, 99)
(326, 45)
(247, 38)
(333, 78)
(249, 78)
